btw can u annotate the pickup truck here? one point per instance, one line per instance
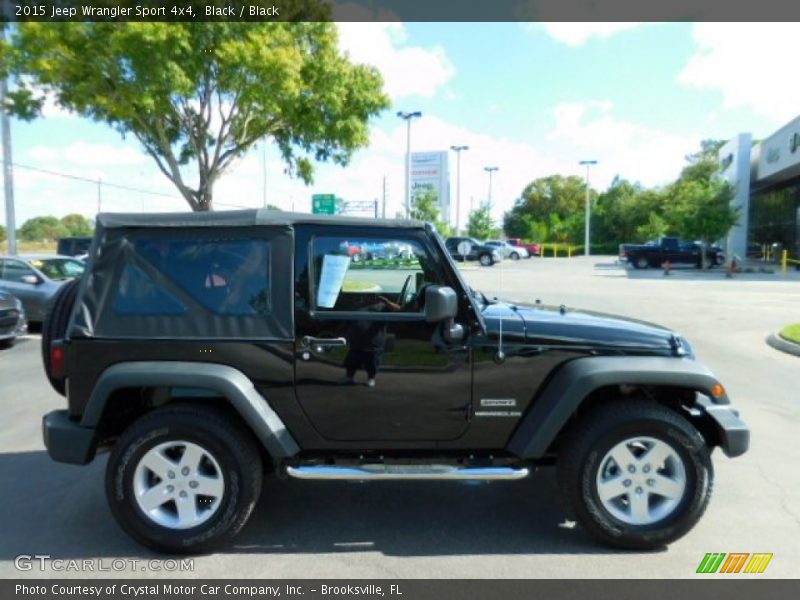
(211, 353)
(532, 248)
(678, 252)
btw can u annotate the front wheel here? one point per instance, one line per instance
(486, 260)
(637, 474)
(719, 259)
(183, 479)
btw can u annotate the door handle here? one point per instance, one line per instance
(323, 343)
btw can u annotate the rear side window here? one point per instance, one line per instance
(226, 277)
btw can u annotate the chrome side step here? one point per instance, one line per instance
(394, 472)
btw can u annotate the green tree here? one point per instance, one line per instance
(480, 223)
(424, 209)
(42, 229)
(555, 203)
(198, 95)
(77, 225)
(2, 233)
(701, 210)
(655, 227)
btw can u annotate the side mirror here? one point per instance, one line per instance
(441, 306)
(30, 279)
(441, 303)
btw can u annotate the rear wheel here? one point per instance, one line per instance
(641, 262)
(54, 327)
(515, 256)
(486, 260)
(183, 479)
(636, 474)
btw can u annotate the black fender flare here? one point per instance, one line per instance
(576, 379)
(227, 382)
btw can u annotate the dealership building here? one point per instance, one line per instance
(766, 177)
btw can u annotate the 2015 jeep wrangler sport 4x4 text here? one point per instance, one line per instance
(207, 350)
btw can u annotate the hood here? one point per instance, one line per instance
(557, 326)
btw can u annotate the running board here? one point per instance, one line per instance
(394, 472)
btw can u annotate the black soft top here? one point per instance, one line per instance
(241, 218)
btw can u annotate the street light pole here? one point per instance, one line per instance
(457, 150)
(8, 168)
(588, 228)
(408, 116)
(490, 170)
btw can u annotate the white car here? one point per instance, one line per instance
(509, 251)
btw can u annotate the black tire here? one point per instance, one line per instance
(593, 436)
(641, 262)
(486, 260)
(232, 447)
(7, 343)
(514, 256)
(719, 259)
(54, 327)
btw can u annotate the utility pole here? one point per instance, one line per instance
(8, 168)
(408, 116)
(457, 150)
(264, 173)
(99, 196)
(490, 170)
(383, 209)
(587, 229)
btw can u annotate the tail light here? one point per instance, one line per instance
(57, 359)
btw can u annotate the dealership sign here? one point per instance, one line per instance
(429, 173)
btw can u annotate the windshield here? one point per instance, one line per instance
(59, 269)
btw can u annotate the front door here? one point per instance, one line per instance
(369, 367)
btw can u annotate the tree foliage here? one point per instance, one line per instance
(424, 209)
(77, 225)
(552, 207)
(42, 229)
(201, 94)
(696, 206)
(2, 233)
(480, 224)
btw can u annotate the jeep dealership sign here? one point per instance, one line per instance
(429, 172)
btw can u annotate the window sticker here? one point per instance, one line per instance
(334, 269)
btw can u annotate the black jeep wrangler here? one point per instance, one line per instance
(206, 351)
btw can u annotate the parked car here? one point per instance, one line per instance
(678, 252)
(509, 251)
(475, 250)
(532, 248)
(13, 322)
(35, 278)
(199, 388)
(73, 246)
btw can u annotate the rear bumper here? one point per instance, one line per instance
(734, 435)
(66, 441)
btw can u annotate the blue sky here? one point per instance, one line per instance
(533, 99)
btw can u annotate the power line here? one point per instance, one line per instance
(112, 185)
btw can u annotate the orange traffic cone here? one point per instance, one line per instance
(667, 266)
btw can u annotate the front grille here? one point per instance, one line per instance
(9, 317)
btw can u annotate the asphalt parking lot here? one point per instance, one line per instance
(444, 530)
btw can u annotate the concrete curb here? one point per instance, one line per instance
(783, 345)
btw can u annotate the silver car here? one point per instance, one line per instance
(34, 279)
(509, 251)
(12, 319)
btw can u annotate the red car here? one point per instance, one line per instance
(533, 249)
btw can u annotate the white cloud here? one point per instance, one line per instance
(577, 34)
(407, 70)
(632, 150)
(749, 63)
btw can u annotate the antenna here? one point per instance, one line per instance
(500, 357)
